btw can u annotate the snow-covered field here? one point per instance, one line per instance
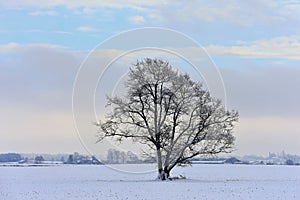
(101, 182)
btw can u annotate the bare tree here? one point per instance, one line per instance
(175, 116)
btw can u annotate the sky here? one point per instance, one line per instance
(254, 46)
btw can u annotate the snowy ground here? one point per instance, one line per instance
(101, 182)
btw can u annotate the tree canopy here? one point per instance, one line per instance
(175, 116)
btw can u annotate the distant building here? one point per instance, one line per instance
(76, 158)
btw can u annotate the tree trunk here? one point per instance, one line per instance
(163, 175)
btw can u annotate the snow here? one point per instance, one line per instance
(102, 182)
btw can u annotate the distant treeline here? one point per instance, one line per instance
(75, 158)
(10, 157)
(120, 157)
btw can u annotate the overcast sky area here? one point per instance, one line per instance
(255, 46)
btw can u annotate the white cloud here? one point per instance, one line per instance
(15, 47)
(85, 28)
(45, 12)
(137, 19)
(7, 48)
(80, 3)
(86, 11)
(165, 11)
(233, 11)
(229, 12)
(278, 47)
